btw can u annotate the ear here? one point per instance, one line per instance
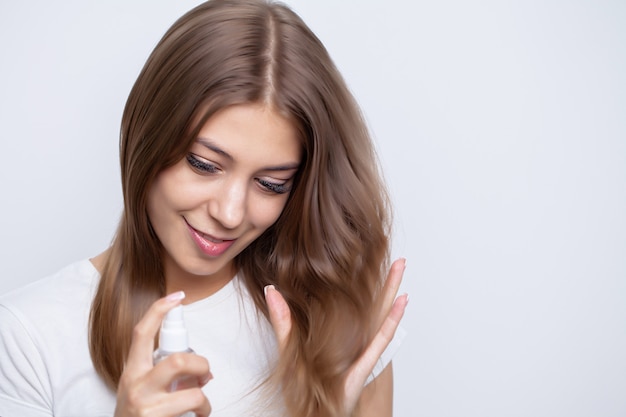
(280, 315)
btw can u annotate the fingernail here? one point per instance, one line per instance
(267, 287)
(175, 296)
(206, 379)
(403, 263)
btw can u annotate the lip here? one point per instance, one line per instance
(208, 244)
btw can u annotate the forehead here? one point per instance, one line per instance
(255, 132)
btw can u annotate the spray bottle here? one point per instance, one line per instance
(173, 338)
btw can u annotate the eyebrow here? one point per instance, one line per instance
(210, 145)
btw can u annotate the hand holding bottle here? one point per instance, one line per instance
(146, 389)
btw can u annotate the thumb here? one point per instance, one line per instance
(280, 315)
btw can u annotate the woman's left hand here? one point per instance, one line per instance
(391, 310)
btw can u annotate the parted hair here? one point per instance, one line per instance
(327, 251)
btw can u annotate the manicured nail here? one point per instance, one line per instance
(206, 379)
(267, 287)
(175, 296)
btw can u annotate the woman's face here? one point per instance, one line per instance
(231, 186)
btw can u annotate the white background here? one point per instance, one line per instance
(502, 130)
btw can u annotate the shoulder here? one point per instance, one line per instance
(43, 326)
(53, 308)
(70, 288)
(52, 311)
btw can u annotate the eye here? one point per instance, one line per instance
(201, 165)
(274, 187)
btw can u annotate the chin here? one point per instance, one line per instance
(201, 266)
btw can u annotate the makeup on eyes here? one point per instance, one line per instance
(275, 187)
(200, 165)
(267, 182)
(205, 167)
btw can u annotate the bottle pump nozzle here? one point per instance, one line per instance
(173, 336)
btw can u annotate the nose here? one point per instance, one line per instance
(228, 205)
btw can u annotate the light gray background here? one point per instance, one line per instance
(501, 127)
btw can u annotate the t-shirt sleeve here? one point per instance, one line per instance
(388, 354)
(24, 384)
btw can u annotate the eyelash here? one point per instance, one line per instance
(207, 168)
(201, 166)
(273, 187)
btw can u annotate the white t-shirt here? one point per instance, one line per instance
(46, 369)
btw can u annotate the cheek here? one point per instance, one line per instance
(164, 201)
(155, 206)
(173, 189)
(265, 214)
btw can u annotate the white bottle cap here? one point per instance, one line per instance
(173, 336)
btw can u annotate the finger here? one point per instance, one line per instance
(179, 402)
(365, 364)
(280, 315)
(390, 288)
(140, 353)
(189, 369)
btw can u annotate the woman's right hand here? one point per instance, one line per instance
(144, 388)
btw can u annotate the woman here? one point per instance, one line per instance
(251, 195)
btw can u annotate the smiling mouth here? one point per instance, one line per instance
(208, 244)
(211, 238)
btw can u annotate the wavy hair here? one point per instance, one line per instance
(329, 248)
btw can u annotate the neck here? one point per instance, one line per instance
(196, 287)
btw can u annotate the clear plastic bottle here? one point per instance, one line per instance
(174, 338)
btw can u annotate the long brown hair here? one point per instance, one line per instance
(327, 251)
